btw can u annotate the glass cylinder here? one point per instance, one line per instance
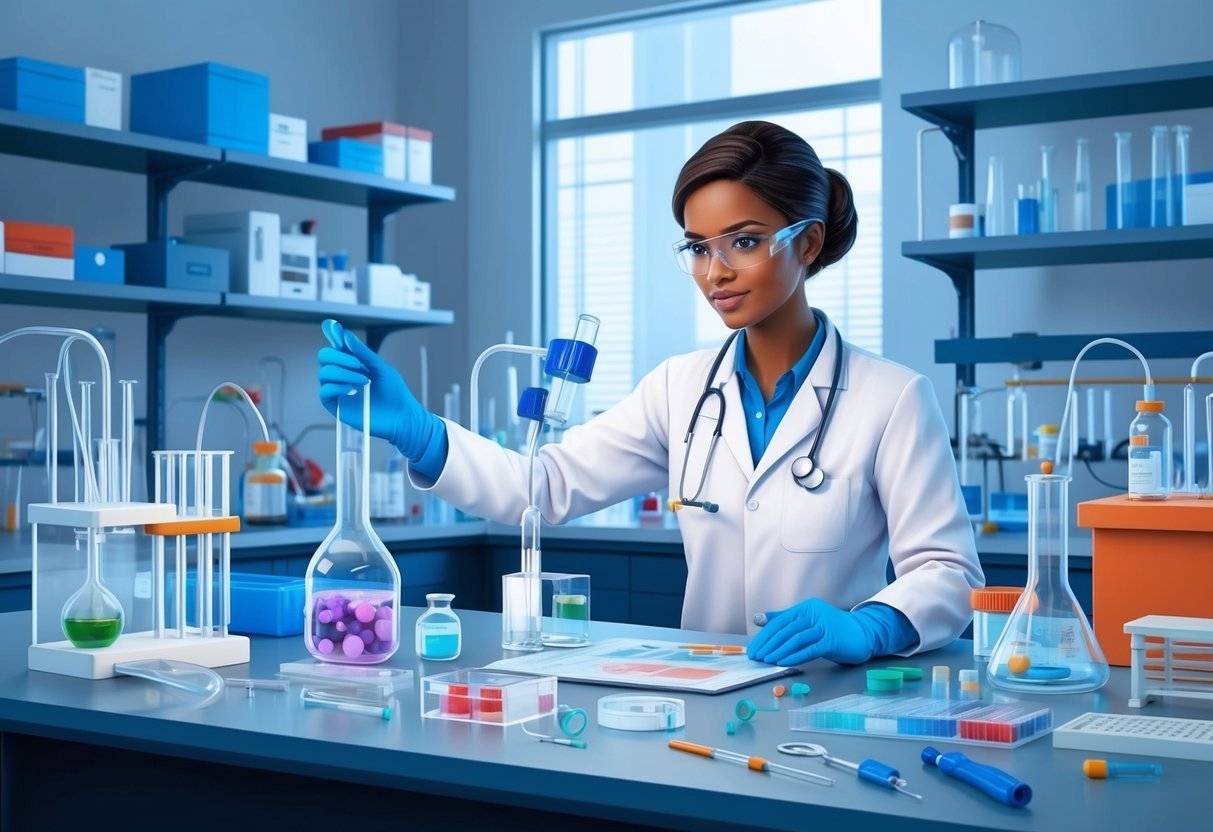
(93, 617)
(1125, 203)
(352, 583)
(1048, 194)
(1149, 453)
(996, 198)
(1183, 138)
(1082, 186)
(1047, 645)
(1160, 176)
(983, 53)
(439, 636)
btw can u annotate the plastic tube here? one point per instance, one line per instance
(52, 435)
(1183, 137)
(1082, 187)
(1160, 176)
(128, 432)
(1190, 429)
(1124, 179)
(1148, 393)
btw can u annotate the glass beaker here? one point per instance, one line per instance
(439, 634)
(1125, 204)
(1183, 138)
(996, 199)
(566, 604)
(1082, 186)
(1160, 176)
(353, 585)
(983, 53)
(92, 617)
(1047, 645)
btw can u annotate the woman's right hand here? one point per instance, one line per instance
(396, 415)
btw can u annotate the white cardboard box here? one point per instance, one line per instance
(421, 153)
(1200, 203)
(288, 137)
(383, 285)
(418, 293)
(33, 265)
(103, 98)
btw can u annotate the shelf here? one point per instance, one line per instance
(71, 294)
(1024, 348)
(290, 309)
(38, 137)
(1127, 92)
(1067, 248)
(253, 172)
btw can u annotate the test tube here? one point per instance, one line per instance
(940, 679)
(1107, 421)
(560, 399)
(1091, 415)
(1082, 187)
(996, 199)
(1048, 197)
(1103, 770)
(1190, 439)
(970, 690)
(1183, 137)
(128, 433)
(1209, 439)
(1160, 176)
(1124, 180)
(52, 436)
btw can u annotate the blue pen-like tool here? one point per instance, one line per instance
(995, 782)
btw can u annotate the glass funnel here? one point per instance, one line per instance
(1047, 645)
(92, 617)
(353, 585)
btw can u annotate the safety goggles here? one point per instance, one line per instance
(736, 250)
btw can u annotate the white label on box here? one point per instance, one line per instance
(393, 156)
(420, 155)
(33, 265)
(288, 137)
(103, 98)
(1199, 209)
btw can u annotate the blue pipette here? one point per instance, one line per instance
(993, 781)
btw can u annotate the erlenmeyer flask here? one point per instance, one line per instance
(92, 617)
(1047, 645)
(353, 585)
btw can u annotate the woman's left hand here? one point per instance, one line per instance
(811, 630)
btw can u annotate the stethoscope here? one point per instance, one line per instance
(805, 470)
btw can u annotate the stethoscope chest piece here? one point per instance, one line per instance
(806, 474)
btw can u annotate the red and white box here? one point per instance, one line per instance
(391, 137)
(37, 250)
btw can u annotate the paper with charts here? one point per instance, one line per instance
(643, 663)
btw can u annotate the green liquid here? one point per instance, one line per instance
(92, 632)
(572, 607)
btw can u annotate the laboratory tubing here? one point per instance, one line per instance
(1103, 770)
(92, 617)
(264, 486)
(750, 762)
(1149, 453)
(1082, 185)
(983, 53)
(991, 610)
(1160, 176)
(439, 635)
(353, 585)
(488, 697)
(345, 704)
(996, 198)
(995, 782)
(1125, 203)
(970, 690)
(1183, 138)
(1027, 211)
(940, 680)
(1047, 645)
(1048, 193)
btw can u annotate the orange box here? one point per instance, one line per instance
(1148, 557)
(42, 240)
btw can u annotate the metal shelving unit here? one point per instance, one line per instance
(166, 163)
(961, 112)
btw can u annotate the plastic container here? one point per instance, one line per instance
(1150, 453)
(264, 486)
(487, 696)
(983, 53)
(266, 605)
(439, 634)
(991, 610)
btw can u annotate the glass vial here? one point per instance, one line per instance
(1047, 645)
(1183, 138)
(352, 583)
(264, 486)
(1125, 204)
(996, 198)
(439, 634)
(1160, 176)
(1082, 186)
(1048, 194)
(1149, 453)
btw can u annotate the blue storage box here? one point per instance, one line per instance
(100, 265)
(207, 103)
(1009, 509)
(42, 88)
(176, 265)
(265, 605)
(348, 154)
(1139, 210)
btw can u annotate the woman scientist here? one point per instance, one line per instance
(835, 460)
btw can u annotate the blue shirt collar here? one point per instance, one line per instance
(799, 371)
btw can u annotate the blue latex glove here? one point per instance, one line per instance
(396, 415)
(814, 629)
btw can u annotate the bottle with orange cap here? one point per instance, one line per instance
(264, 486)
(1149, 453)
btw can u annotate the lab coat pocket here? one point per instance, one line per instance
(815, 521)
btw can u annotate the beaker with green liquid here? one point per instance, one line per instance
(93, 617)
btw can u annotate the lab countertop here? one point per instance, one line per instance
(626, 777)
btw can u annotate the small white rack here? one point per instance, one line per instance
(1171, 656)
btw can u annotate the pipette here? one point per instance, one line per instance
(257, 684)
(871, 770)
(753, 763)
(993, 781)
(319, 699)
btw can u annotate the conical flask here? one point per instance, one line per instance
(353, 585)
(92, 617)
(1047, 645)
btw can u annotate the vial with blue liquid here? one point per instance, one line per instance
(439, 635)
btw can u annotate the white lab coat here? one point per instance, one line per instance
(891, 491)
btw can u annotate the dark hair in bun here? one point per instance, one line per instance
(784, 171)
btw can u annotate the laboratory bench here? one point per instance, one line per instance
(638, 572)
(73, 750)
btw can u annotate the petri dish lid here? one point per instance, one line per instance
(201, 684)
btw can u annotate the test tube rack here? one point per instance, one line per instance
(1170, 656)
(192, 508)
(918, 717)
